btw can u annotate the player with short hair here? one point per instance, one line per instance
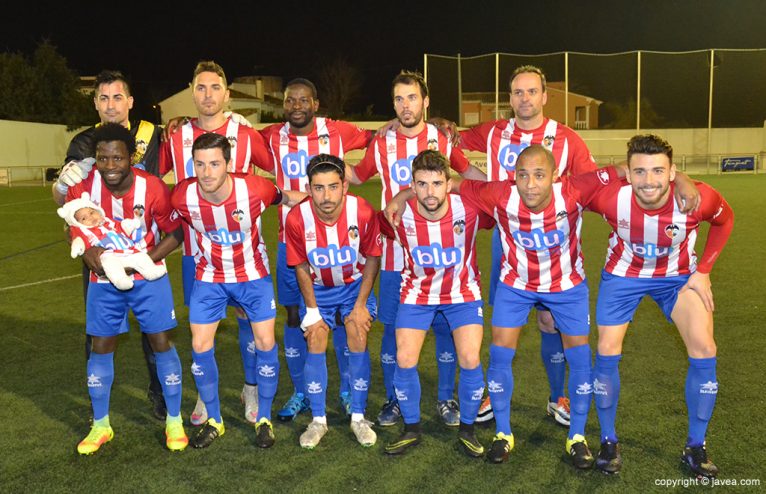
(651, 252)
(292, 144)
(123, 191)
(438, 235)
(224, 209)
(211, 95)
(333, 241)
(390, 155)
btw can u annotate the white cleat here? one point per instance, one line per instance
(199, 415)
(249, 397)
(314, 433)
(362, 429)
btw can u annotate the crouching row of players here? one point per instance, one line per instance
(333, 240)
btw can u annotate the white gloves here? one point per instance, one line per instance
(73, 173)
(238, 118)
(312, 317)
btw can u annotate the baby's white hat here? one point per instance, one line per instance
(68, 210)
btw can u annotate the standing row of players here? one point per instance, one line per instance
(541, 260)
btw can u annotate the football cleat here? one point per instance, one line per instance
(175, 436)
(389, 413)
(208, 433)
(501, 447)
(362, 429)
(199, 415)
(578, 451)
(249, 398)
(486, 414)
(449, 411)
(297, 404)
(559, 411)
(97, 437)
(264, 433)
(158, 404)
(695, 457)
(609, 459)
(470, 443)
(313, 434)
(407, 440)
(345, 403)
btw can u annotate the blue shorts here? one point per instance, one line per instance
(209, 300)
(333, 300)
(570, 308)
(106, 312)
(388, 304)
(288, 291)
(188, 271)
(619, 296)
(415, 316)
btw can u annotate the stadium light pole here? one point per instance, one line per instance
(638, 92)
(497, 86)
(459, 91)
(566, 88)
(710, 107)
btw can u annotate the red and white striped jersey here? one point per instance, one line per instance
(503, 141)
(248, 148)
(660, 243)
(291, 153)
(541, 250)
(391, 157)
(335, 253)
(228, 234)
(148, 200)
(440, 256)
(108, 235)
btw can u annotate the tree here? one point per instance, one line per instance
(623, 116)
(340, 85)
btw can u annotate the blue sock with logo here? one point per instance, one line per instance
(580, 389)
(359, 369)
(606, 391)
(500, 385)
(446, 361)
(341, 357)
(701, 392)
(554, 360)
(169, 373)
(268, 378)
(388, 358)
(247, 350)
(100, 369)
(205, 372)
(295, 356)
(316, 382)
(470, 390)
(407, 386)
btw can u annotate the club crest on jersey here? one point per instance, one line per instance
(433, 145)
(353, 232)
(458, 227)
(238, 215)
(141, 146)
(623, 224)
(311, 236)
(561, 215)
(138, 210)
(223, 236)
(294, 164)
(603, 176)
(548, 141)
(436, 256)
(401, 170)
(650, 251)
(331, 256)
(539, 239)
(671, 230)
(232, 140)
(324, 139)
(508, 155)
(174, 215)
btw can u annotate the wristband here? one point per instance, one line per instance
(312, 317)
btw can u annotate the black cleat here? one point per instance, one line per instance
(609, 459)
(407, 440)
(207, 434)
(158, 404)
(264, 434)
(470, 443)
(695, 457)
(579, 453)
(501, 448)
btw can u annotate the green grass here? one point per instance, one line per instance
(44, 405)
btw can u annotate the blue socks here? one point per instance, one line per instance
(701, 392)
(500, 385)
(553, 355)
(580, 380)
(606, 391)
(470, 390)
(446, 357)
(100, 371)
(388, 358)
(359, 370)
(267, 379)
(316, 383)
(205, 372)
(247, 350)
(341, 356)
(295, 356)
(407, 386)
(169, 373)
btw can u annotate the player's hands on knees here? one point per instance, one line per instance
(360, 317)
(92, 259)
(700, 283)
(313, 329)
(448, 128)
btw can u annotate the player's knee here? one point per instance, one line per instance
(200, 344)
(317, 342)
(705, 349)
(406, 359)
(357, 341)
(468, 359)
(504, 338)
(159, 342)
(608, 347)
(104, 344)
(292, 316)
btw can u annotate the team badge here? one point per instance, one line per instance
(548, 141)
(561, 215)
(433, 145)
(311, 236)
(238, 215)
(671, 230)
(138, 210)
(232, 140)
(379, 241)
(324, 140)
(458, 227)
(603, 176)
(353, 232)
(623, 224)
(141, 146)
(174, 215)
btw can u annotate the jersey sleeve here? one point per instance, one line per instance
(268, 131)
(371, 243)
(162, 208)
(483, 195)
(581, 159)
(715, 210)
(587, 187)
(475, 138)
(384, 226)
(353, 137)
(259, 151)
(265, 190)
(486, 222)
(295, 244)
(458, 161)
(367, 168)
(165, 158)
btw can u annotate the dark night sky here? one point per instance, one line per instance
(159, 46)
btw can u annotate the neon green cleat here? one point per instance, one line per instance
(98, 436)
(578, 451)
(175, 436)
(501, 448)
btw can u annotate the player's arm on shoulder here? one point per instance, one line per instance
(480, 194)
(686, 194)
(581, 158)
(394, 208)
(291, 198)
(587, 187)
(475, 138)
(365, 169)
(353, 137)
(260, 153)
